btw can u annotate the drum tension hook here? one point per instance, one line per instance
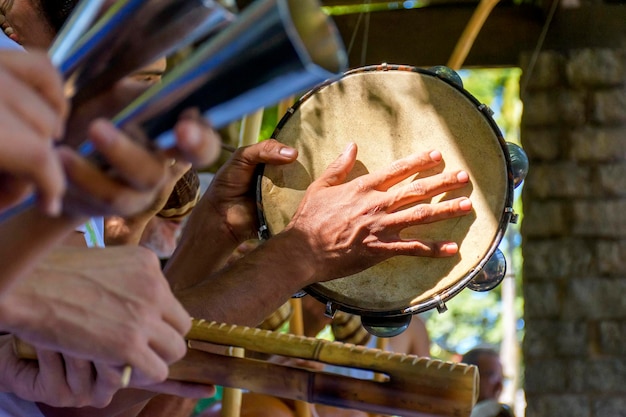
(441, 305)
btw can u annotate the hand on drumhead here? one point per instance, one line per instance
(229, 193)
(347, 227)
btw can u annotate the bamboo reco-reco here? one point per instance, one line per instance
(413, 386)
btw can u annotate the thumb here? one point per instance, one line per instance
(339, 169)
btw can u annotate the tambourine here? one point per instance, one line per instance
(391, 111)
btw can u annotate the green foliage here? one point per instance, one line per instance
(499, 89)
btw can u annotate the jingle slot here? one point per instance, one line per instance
(491, 275)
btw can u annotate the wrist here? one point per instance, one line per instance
(291, 251)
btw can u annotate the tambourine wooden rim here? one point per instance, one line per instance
(438, 299)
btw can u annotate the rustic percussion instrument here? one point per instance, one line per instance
(412, 386)
(391, 111)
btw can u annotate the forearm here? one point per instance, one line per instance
(203, 249)
(26, 238)
(248, 290)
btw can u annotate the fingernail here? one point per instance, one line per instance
(435, 156)
(348, 148)
(462, 176)
(465, 204)
(287, 152)
(450, 248)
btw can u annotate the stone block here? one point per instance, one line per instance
(545, 376)
(557, 339)
(611, 255)
(609, 107)
(559, 179)
(555, 108)
(541, 300)
(609, 406)
(558, 258)
(544, 219)
(612, 178)
(548, 70)
(612, 337)
(540, 109)
(595, 68)
(595, 376)
(542, 144)
(597, 144)
(594, 299)
(597, 218)
(554, 405)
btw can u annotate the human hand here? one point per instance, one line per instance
(373, 214)
(228, 208)
(56, 379)
(131, 230)
(112, 306)
(136, 176)
(32, 114)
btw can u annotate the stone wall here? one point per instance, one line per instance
(574, 233)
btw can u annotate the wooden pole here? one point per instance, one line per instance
(250, 128)
(468, 36)
(231, 397)
(296, 326)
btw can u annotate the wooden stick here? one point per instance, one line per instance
(250, 128)
(248, 135)
(381, 343)
(231, 397)
(296, 326)
(470, 32)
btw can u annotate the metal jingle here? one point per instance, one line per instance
(519, 163)
(386, 326)
(491, 275)
(447, 73)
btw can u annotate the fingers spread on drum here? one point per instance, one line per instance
(421, 248)
(428, 187)
(338, 170)
(429, 213)
(404, 168)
